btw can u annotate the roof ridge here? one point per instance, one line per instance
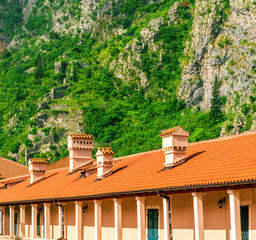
(15, 178)
(16, 163)
(137, 154)
(226, 137)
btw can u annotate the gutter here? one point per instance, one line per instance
(62, 217)
(153, 191)
(169, 210)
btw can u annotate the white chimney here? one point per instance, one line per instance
(37, 169)
(104, 162)
(80, 148)
(174, 145)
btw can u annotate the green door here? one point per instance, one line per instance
(16, 224)
(152, 224)
(244, 210)
(38, 224)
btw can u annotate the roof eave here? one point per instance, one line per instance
(146, 192)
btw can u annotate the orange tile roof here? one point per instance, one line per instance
(218, 162)
(14, 179)
(9, 168)
(83, 136)
(169, 131)
(62, 163)
(38, 160)
(107, 150)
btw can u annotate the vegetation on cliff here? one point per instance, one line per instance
(125, 113)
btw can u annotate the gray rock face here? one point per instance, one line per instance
(220, 49)
(28, 5)
(173, 13)
(128, 65)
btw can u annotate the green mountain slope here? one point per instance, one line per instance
(124, 60)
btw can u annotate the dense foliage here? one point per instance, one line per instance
(127, 115)
(10, 17)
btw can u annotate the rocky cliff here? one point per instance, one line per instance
(222, 46)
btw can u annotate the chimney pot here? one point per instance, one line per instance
(174, 145)
(80, 148)
(104, 162)
(37, 168)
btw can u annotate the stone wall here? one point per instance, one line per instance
(32, 151)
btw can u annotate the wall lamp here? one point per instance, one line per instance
(85, 208)
(221, 202)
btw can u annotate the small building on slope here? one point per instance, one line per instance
(201, 191)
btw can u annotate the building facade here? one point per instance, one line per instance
(203, 190)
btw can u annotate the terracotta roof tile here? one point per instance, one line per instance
(83, 136)
(219, 161)
(169, 131)
(62, 163)
(9, 168)
(38, 160)
(106, 150)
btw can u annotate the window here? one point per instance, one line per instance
(16, 224)
(244, 210)
(38, 224)
(152, 224)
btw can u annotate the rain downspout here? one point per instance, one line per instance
(169, 208)
(62, 217)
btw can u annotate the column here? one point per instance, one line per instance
(97, 211)
(166, 219)
(79, 227)
(60, 221)
(47, 220)
(198, 215)
(12, 212)
(34, 220)
(235, 221)
(22, 220)
(141, 218)
(2, 209)
(3, 221)
(118, 218)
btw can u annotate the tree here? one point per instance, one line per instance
(216, 113)
(39, 69)
(75, 76)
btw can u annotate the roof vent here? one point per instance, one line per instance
(37, 169)
(104, 162)
(174, 145)
(80, 148)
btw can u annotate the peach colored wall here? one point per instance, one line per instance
(88, 221)
(216, 220)
(182, 216)
(28, 221)
(108, 219)
(70, 220)
(54, 223)
(129, 219)
(7, 221)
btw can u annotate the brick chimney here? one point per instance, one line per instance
(80, 148)
(104, 162)
(37, 169)
(174, 145)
